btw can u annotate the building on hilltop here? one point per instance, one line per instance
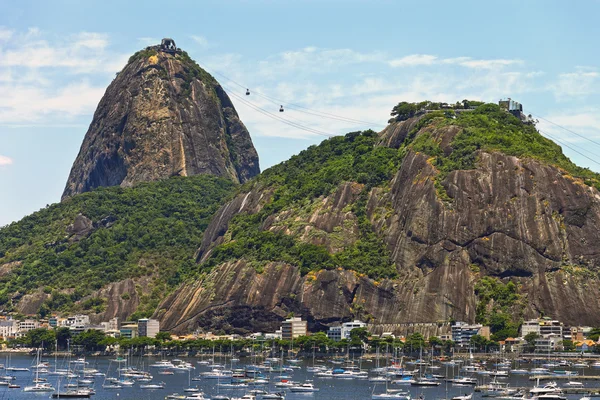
(340, 332)
(292, 328)
(463, 332)
(516, 109)
(148, 327)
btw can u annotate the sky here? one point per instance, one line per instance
(339, 59)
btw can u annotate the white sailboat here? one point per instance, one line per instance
(38, 386)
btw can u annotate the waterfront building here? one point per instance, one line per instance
(584, 345)
(8, 329)
(340, 332)
(549, 343)
(129, 330)
(28, 325)
(551, 327)
(531, 326)
(148, 327)
(463, 332)
(542, 327)
(292, 328)
(76, 320)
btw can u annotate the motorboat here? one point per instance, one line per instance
(73, 394)
(160, 385)
(274, 396)
(40, 388)
(391, 395)
(464, 381)
(463, 397)
(425, 382)
(548, 388)
(304, 388)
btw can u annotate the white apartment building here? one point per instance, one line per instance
(340, 332)
(293, 327)
(8, 328)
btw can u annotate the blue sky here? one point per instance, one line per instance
(354, 59)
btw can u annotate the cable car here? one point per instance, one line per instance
(247, 92)
(280, 108)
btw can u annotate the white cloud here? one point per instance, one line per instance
(413, 60)
(488, 64)
(583, 81)
(32, 61)
(148, 41)
(201, 41)
(5, 34)
(29, 103)
(84, 52)
(468, 62)
(315, 60)
(4, 160)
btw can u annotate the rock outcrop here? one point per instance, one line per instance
(514, 219)
(162, 116)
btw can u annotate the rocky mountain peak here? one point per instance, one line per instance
(162, 116)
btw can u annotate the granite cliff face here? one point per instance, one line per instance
(162, 116)
(515, 219)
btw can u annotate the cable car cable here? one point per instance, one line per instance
(314, 112)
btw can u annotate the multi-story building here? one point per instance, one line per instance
(148, 327)
(576, 334)
(548, 343)
(551, 327)
(128, 330)
(292, 328)
(340, 332)
(8, 328)
(531, 326)
(463, 332)
(111, 325)
(77, 320)
(28, 325)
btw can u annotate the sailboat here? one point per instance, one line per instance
(39, 386)
(190, 389)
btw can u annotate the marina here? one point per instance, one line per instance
(255, 378)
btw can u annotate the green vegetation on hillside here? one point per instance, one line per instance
(495, 307)
(316, 172)
(489, 128)
(150, 229)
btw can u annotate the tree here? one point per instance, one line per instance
(63, 334)
(449, 346)
(435, 341)
(415, 341)
(568, 345)
(530, 338)
(359, 335)
(594, 334)
(40, 338)
(90, 339)
(478, 342)
(163, 336)
(404, 110)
